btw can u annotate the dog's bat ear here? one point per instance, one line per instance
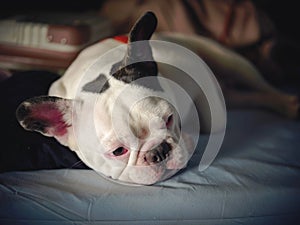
(138, 61)
(143, 28)
(50, 116)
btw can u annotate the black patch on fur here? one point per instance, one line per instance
(134, 71)
(138, 61)
(99, 85)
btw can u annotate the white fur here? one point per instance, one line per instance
(95, 135)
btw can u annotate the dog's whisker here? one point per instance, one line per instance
(76, 164)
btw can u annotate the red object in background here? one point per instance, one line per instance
(122, 38)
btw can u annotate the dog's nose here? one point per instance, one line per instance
(158, 154)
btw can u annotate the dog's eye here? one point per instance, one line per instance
(120, 151)
(169, 121)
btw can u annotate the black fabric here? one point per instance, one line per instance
(25, 150)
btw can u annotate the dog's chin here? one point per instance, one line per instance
(151, 174)
(148, 175)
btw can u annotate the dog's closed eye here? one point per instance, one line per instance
(120, 151)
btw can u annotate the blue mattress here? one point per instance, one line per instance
(255, 179)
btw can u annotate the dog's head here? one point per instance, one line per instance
(119, 127)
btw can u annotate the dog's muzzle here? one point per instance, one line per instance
(158, 154)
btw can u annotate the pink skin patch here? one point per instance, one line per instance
(48, 114)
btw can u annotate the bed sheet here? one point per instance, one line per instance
(255, 179)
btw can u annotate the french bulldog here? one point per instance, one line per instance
(111, 108)
(122, 128)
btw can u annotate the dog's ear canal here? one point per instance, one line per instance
(138, 61)
(48, 115)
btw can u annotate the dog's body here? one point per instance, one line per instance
(116, 125)
(123, 129)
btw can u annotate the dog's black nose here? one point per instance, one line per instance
(158, 154)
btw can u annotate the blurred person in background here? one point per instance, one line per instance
(241, 25)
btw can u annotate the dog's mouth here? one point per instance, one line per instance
(146, 167)
(156, 164)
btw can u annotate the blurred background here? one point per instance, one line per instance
(264, 31)
(285, 14)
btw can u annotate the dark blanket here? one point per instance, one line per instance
(25, 150)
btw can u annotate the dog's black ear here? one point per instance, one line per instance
(138, 61)
(143, 28)
(48, 115)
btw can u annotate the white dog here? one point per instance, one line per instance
(125, 126)
(118, 126)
